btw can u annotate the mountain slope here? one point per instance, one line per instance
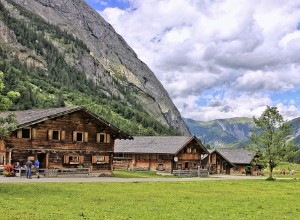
(82, 42)
(232, 132)
(222, 132)
(295, 123)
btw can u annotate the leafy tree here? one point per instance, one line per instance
(271, 137)
(7, 124)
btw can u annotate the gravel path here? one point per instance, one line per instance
(115, 179)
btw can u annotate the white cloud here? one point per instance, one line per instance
(248, 48)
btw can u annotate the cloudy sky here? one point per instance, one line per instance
(216, 58)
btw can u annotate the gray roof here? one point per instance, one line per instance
(237, 156)
(211, 151)
(29, 117)
(155, 144)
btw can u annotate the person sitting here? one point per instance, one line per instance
(17, 165)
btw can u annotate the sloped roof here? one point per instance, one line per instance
(30, 117)
(237, 156)
(211, 151)
(155, 144)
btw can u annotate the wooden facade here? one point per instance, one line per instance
(159, 153)
(62, 138)
(217, 163)
(230, 161)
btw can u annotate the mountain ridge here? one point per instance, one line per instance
(231, 132)
(109, 65)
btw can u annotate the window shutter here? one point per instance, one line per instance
(74, 136)
(105, 138)
(19, 134)
(106, 159)
(50, 135)
(108, 138)
(66, 159)
(63, 135)
(98, 138)
(81, 159)
(94, 159)
(33, 133)
(86, 136)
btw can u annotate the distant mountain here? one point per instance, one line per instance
(296, 130)
(232, 132)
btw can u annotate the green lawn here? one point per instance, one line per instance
(287, 167)
(253, 199)
(138, 174)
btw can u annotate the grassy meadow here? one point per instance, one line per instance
(244, 199)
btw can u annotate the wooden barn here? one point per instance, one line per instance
(217, 163)
(240, 158)
(159, 153)
(65, 137)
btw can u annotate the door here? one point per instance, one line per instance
(186, 165)
(42, 158)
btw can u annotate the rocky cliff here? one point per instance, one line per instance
(108, 59)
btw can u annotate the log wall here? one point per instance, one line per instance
(51, 153)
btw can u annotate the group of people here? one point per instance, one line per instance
(28, 165)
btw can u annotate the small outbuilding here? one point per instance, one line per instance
(240, 158)
(217, 163)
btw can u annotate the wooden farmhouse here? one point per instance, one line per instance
(217, 163)
(230, 160)
(163, 153)
(61, 138)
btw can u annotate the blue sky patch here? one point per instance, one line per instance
(286, 97)
(100, 5)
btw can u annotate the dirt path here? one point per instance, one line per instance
(114, 179)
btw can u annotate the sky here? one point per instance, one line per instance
(216, 58)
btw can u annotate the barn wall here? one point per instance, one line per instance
(53, 152)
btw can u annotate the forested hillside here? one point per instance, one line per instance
(232, 132)
(44, 64)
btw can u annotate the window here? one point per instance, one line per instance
(100, 159)
(194, 150)
(55, 135)
(80, 136)
(73, 159)
(24, 133)
(188, 150)
(103, 138)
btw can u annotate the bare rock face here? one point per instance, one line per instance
(110, 57)
(6, 36)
